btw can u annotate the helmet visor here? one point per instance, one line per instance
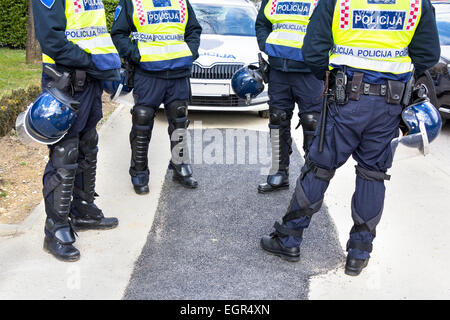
(418, 142)
(27, 134)
(21, 129)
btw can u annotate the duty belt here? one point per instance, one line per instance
(367, 89)
(392, 90)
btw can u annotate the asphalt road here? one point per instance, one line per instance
(212, 251)
(204, 243)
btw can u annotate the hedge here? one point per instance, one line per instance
(13, 21)
(110, 8)
(12, 105)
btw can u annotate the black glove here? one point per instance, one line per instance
(130, 67)
(419, 93)
(59, 81)
(264, 67)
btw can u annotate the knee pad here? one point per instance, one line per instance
(310, 120)
(278, 118)
(143, 117)
(65, 154)
(177, 112)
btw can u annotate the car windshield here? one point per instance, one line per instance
(226, 20)
(443, 25)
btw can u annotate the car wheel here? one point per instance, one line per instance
(264, 114)
(427, 81)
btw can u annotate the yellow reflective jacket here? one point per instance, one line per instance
(160, 33)
(86, 27)
(289, 22)
(370, 35)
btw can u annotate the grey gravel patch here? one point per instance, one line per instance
(204, 243)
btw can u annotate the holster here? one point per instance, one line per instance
(394, 92)
(78, 80)
(357, 81)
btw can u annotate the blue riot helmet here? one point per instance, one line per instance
(48, 118)
(117, 88)
(247, 82)
(421, 124)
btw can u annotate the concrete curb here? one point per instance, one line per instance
(13, 230)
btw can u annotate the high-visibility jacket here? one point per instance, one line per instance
(289, 22)
(374, 35)
(161, 26)
(86, 27)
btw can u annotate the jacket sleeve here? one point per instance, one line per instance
(50, 26)
(319, 38)
(424, 48)
(263, 27)
(193, 32)
(121, 29)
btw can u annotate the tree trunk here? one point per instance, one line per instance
(33, 49)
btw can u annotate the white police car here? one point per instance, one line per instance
(228, 42)
(437, 79)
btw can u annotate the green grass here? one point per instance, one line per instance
(14, 72)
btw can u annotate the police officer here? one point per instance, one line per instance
(161, 38)
(280, 29)
(375, 44)
(74, 39)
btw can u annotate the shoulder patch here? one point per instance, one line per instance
(48, 3)
(117, 12)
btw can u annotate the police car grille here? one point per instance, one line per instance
(217, 72)
(225, 101)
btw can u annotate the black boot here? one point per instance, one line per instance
(84, 213)
(140, 181)
(277, 181)
(87, 216)
(58, 241)
(273, 245)
(281, 143)
(353, 267)
(183, 174)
